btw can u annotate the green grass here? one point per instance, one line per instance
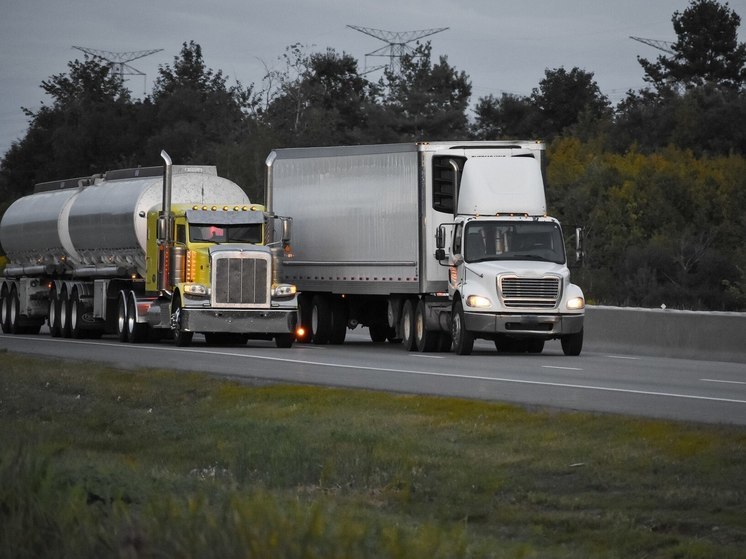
(99, 462)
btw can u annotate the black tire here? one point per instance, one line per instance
(14, 313)
(572, 344)
(303, 330)
(76, 316)
(181, 338)
(64, 314)
(5, 310)
(378, 333)
(321, 320)
(338, 329)
(284, 341)
(407, 326)
(425, 340)
(445, 342)
(122, 317)
(535, 346)
(463, 341)
(137, 332)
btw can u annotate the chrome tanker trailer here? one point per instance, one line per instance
(146, 253)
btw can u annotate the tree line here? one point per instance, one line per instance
(656, 181)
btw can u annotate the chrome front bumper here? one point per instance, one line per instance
(269, 321)
(534, 325)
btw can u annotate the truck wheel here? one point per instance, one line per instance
(426, 340)
(284, 340)
(64, 314)
(181, 338)
(76, 316)
(535, 346)
(463, 341)
(338, 329)
(14, 313)
(321, 320)
(5, 310)
(407, 326)
(303, 331)
(137, 332)
(572, 344)
(122, 317)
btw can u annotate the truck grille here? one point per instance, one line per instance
(240, 281)
(530, 292)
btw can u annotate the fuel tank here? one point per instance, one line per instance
(88, 226)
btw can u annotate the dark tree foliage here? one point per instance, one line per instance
(426, 101)
(564, 99)
(90, 125)
(194, 111)
(706, 50)
(509, 116)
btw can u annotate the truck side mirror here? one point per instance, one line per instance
(440, 239)
(287, 229)
(579, 252)
(440, 254)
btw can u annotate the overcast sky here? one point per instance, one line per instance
(502, 45)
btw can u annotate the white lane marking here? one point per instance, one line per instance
(419, 355)
(722, 381)
(403, 371)
(561, 368)
(623, 357)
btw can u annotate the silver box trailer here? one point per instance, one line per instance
(375, 242)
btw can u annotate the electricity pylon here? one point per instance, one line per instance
(660, 45)
(118, 61)
(397, 44)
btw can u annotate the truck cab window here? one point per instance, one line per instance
(446, 179)
(181, 233)
(218, 233)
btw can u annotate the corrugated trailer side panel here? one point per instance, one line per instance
(355, 218)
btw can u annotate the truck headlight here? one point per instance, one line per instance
(576, 303)
(478, 301)
(195, 290)
(283, 290)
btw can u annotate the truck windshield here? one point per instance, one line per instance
(511, 240)
(243, 233)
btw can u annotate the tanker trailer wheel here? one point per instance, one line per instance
(122, 317)
(407, 326)
(5, 310)
(572, 344)
(137, 332)
(463, 341)
(181, 338)
(64, 314)
(14, 313)
(426, 340)
(53, 314)
(76, 316)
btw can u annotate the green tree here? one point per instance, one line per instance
(194, 111)
(319, 99)
(90, 126)
(426, 101)
(566, 99)
(509, 116)
(706, 50)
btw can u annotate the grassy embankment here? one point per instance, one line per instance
(99, 462)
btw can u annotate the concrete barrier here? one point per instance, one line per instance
(718, 336)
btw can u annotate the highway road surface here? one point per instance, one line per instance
(629, 384)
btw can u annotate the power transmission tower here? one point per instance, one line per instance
(118, 61)
(660, 45)
(397, 44)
